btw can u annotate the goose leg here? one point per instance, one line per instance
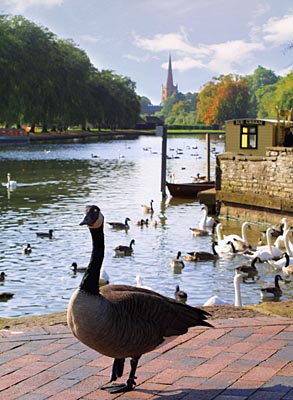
(130, 383)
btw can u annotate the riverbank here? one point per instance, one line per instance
(283, 309)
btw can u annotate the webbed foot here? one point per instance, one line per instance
(120, 388)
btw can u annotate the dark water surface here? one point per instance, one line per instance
(55, 182)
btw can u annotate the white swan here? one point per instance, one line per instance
(268, 251)
(140, 284)
(287, 258)
(206, 221)
(216, 300)
(233, 236)
(10, 184)
(280, 241)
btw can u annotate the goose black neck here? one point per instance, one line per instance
(90, 280)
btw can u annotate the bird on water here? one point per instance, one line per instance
(121, 321)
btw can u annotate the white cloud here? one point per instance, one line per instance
(90, 38)
(19, 6)
(279, 31)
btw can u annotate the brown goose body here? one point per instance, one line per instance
(121, 321)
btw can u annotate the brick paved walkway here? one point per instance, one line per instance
(244, 358)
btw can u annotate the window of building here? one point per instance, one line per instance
(248, 137)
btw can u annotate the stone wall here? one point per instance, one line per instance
(255, 187)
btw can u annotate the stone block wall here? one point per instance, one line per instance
(256, 183)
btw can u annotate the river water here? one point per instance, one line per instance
(54, 184)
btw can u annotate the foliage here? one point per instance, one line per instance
(49, 82)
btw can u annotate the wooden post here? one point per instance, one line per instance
(208, 157)
(162, 131)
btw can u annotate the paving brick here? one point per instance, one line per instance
(240, 359)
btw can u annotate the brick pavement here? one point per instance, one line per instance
(242, 358)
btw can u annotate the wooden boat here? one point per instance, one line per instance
(189, 190)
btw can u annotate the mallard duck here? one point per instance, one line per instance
(2, 276)
(180, 295)
(48, 234)
(120, 225)
(249, 271)
(125, 250)
(272, 291)
(148, 209)
(177, 263)
(106, 318)
(27, 249)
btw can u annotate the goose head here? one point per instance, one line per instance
(93, 217)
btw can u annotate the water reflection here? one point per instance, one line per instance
(55, 182)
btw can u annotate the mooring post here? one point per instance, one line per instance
(208, 157)
(162, 131)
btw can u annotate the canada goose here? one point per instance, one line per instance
(288, 270)
(216, 300)
(45, 234)
(125, 250)
(122, 321)
(27, 249)
(249, 271)
(104, 277)
(224, 249)
(2, 276)
(6, 295)
(10, 184)
(148, 209)
(206, 220)
(279, 231)
(272, 291)
(176, 264)
(203, 232)
(202, 255)
(120, 225)
(180, 295)
(283, 261)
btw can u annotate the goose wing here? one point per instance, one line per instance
(159, 316)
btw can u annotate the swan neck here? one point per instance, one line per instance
(269, 241)
(90, 280)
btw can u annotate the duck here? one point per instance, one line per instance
(104, 277)
(120, 225)
(105, 318)
(249, 271)
(6, 295)
(27, 249)
(180, 295)
(125, 250)
(176, 264)
(216, 300)
(272, 291)
(10, 183)
(2, 276)
(203, 232)
(206, 221)
(148, 209)
(76, 269)
(48, 234)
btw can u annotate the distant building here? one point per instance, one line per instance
(170, 88)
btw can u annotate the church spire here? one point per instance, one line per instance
(170, 88)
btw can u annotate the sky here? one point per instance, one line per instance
(205, 39)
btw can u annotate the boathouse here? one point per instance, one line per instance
(254, 175)
(253, 136)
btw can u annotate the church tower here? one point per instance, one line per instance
(170, 88)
